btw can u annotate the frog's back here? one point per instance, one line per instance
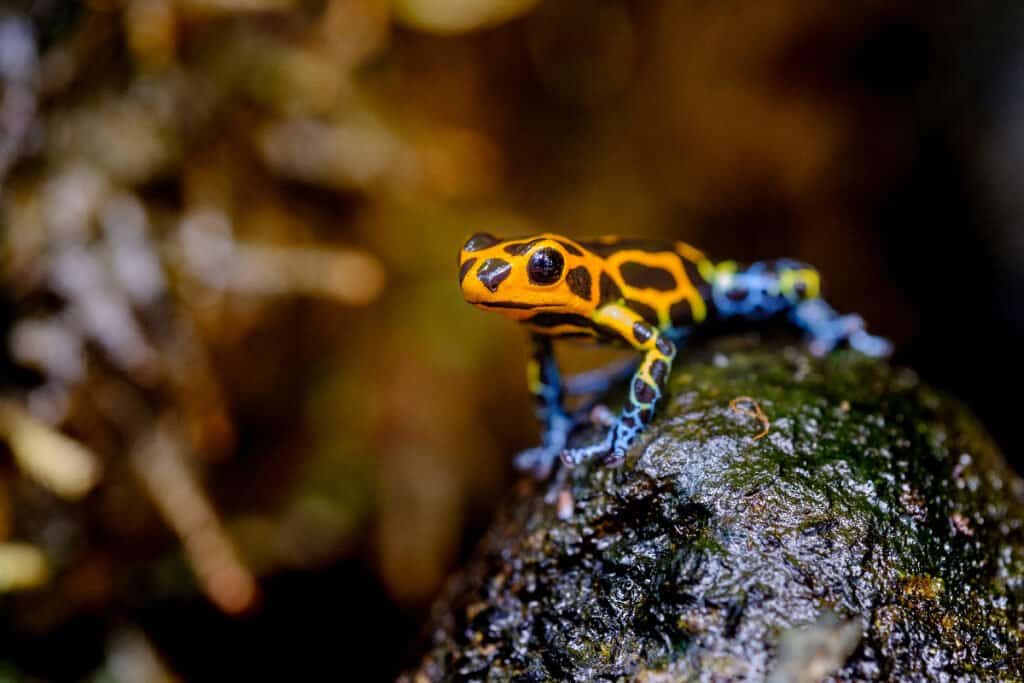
(661, 281)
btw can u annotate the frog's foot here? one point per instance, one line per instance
(537, 461)
(828, 330)
(870, 345)
(575, 456)
(540, 460)
(615, 458)
(850, 329)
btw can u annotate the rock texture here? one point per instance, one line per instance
(874, 533)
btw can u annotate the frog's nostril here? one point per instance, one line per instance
(493, 272)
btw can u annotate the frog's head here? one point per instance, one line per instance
(520, 277)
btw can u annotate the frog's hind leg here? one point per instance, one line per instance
(592, 386)
(783, 286)
(600, 380)
(827, 330)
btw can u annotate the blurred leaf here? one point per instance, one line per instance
(458, 16)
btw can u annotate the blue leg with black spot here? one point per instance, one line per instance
(545, 384)
(646, 389)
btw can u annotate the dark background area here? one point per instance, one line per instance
(349, 432)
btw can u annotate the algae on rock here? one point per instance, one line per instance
(874, 533)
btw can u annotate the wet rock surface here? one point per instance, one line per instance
(874, 533)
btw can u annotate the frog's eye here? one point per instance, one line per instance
(480, 240)
(545, 266)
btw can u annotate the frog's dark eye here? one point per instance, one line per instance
(545, 266)
(480, 240)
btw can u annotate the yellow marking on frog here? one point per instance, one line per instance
(658, 299)
(575, 301)
(533, 376)
(707, 269)
(562, 330)
(808, 277)
(517, 287)
(690, 252)
(626, 291)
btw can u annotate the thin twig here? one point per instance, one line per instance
(756, 413)
(183, 504)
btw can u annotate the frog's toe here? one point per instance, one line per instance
(614, 459)
(576, 456)
(870, 345)
(536, 461)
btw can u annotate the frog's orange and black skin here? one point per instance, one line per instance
(649, 295)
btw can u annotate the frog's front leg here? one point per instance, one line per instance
(645, 389)
(545, 384)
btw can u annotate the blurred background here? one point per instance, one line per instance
(248, 425)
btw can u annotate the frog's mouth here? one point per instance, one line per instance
(509, 304)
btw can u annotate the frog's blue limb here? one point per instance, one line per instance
(827, 330)
(769, 288)
(545, 384)
(593, 384)
(600, 380)
(646, 388)
(576, 456)
(539, 460)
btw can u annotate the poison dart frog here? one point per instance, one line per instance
(649, 295)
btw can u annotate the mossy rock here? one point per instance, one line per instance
(874, 533)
